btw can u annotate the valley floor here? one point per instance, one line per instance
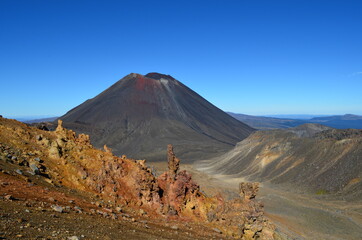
(297, 215)
(303, 216)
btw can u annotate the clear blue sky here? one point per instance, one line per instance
(252, 57)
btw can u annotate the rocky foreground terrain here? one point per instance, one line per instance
(56, 185)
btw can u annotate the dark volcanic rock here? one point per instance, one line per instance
(139, 115)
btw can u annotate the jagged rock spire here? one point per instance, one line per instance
(173, 162)
(248, 190)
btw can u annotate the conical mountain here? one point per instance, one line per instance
(140, 114)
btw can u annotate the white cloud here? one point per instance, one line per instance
(355, 74)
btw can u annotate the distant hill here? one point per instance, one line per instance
(265, 123)
(296, 116)
(32, 118)
(50, 119)
(341, 121)
(140, 114)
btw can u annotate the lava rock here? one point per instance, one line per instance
(73, 238)
(57, 208)
(34, 168)
(9, 197)
(174, 227)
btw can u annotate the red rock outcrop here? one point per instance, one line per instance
(180, 194)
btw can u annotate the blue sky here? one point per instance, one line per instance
(252, 57)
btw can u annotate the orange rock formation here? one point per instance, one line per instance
(65, 159)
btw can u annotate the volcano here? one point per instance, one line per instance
(140, 114)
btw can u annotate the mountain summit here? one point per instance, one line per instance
(140, 114)
(159, 76)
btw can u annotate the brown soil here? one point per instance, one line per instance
(29, 215)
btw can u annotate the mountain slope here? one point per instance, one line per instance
(139, 115)
(311, 156)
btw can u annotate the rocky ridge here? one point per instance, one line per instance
(310, 156)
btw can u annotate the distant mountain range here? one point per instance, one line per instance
(268, 122)
(37, 120)
(296, 116)
(265, 123)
